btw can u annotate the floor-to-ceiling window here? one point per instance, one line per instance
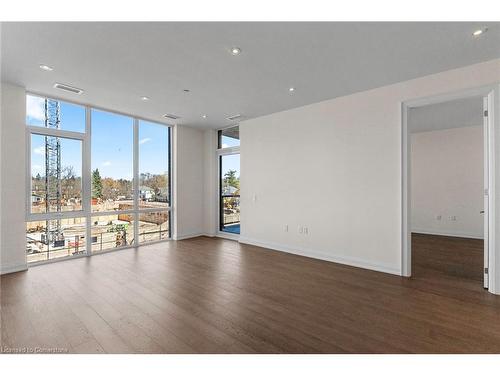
(153, 182)
(112, 195)
(228, 153)
(56, 217)
(99, 180)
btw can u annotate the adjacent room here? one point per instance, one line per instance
(448, 170)
(250, 187)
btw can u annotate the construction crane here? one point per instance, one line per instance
(53, 193)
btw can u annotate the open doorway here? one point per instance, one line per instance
(447, 189)
(446, 180)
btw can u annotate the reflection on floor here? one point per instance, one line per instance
(234, 228)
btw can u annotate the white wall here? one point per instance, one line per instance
(447, 182)
(188, 182)
(335, 167)
(210, 169)
(13, 161)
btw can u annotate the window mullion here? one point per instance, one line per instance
(136, 181)
(87, 180)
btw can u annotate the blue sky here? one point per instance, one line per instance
(231, 162)
(112, 141)
(229, 142)
(153, 150)
(70, 155)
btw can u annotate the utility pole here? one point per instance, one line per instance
(53, 193)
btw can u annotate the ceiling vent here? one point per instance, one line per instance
(234, 117)
(72, 89)
(171, 116)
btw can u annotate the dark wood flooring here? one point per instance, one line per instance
(209, 295)
(453, 256)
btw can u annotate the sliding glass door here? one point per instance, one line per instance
(229, 181)
(230, 193)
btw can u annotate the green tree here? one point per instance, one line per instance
(96, 184)
(231, 179)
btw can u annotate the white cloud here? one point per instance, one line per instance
(36, 167)
(35, 108)
(107, 163)
(39, 150)
(144, 140)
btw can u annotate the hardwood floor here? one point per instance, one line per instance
(453, 256)
(209, 295)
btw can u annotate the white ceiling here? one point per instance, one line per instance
(117, 63)
(453, 114)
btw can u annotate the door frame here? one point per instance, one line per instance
(492, 93)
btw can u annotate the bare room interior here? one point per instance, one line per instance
(250, 187)
(448, 167)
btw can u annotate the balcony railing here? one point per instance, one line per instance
(230, 209)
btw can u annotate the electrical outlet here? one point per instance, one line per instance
(285, 228)
(439, 217)
(453, 218)
(306, 230)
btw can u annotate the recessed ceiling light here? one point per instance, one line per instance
(479, 32)
(235, 51)
(291, 89)
(144, 98)
(46, 68)
(204, 116)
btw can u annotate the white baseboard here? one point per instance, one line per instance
(191, 235)
(349, 261)
(10, 268)
(228, 236)
(448, 234)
